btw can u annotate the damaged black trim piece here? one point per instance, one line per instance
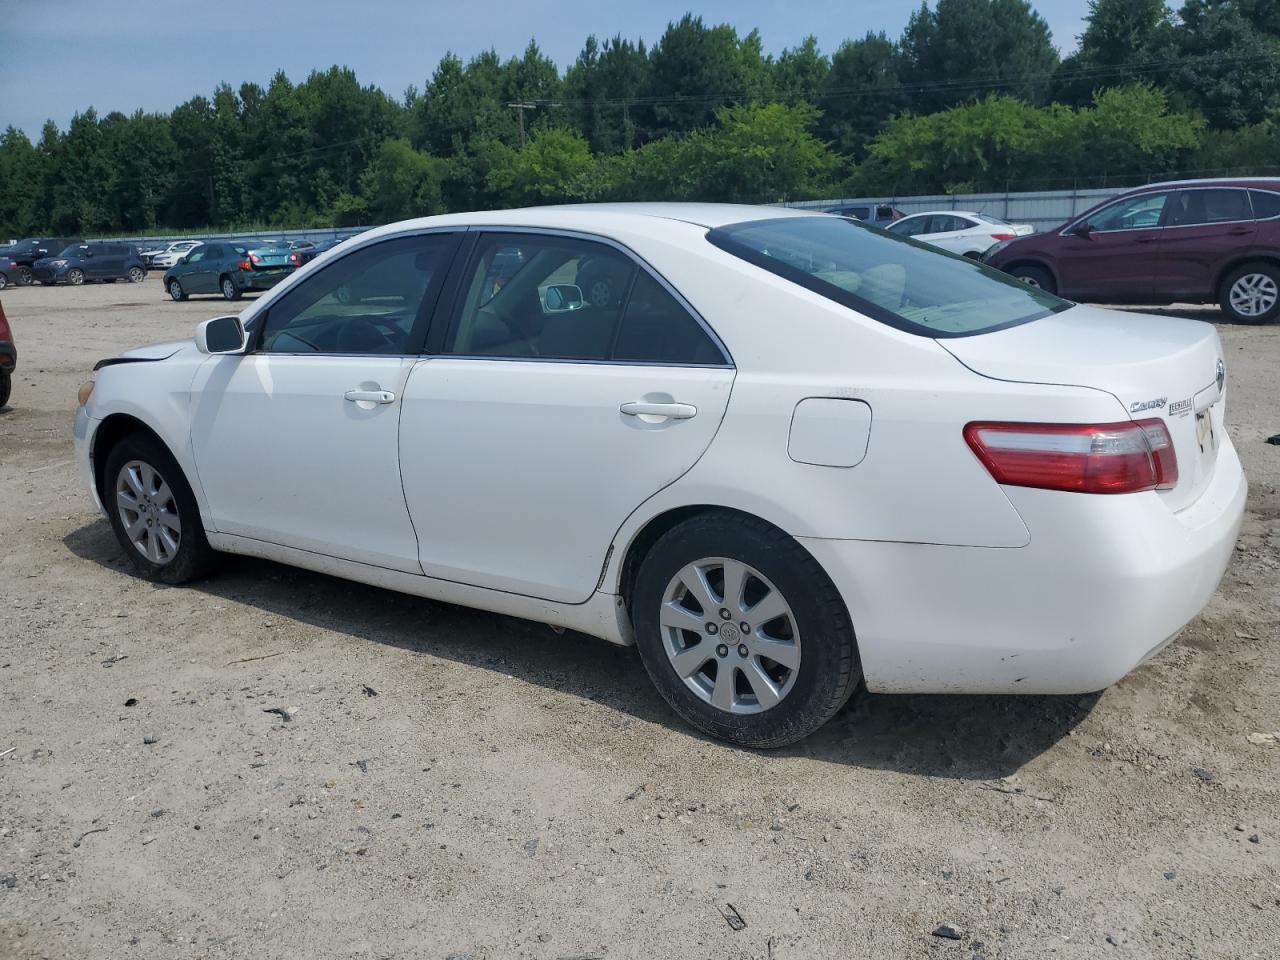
(112, 361)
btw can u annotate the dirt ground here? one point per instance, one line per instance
(457, 784)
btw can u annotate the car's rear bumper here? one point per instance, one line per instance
(1104, 583)
(255, 280)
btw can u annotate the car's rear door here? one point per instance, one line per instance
(542, 418)
(1204, 228)
(296, 441)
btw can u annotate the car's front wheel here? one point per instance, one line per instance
(1034, 276)
(75, 276)
(153, 512)
(229, 289)
(1251, 294)
(742, 632)
(137, 274)
(176, 291)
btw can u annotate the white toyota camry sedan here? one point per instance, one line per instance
(781, 453)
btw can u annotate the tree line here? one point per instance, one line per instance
(973, 95)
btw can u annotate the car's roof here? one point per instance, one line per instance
(939, 213)
(1264, 183)
(603, 216)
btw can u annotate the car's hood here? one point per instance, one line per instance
(158, 351)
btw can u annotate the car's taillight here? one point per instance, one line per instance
(295, 259)
(254, 258)
(1084, 458)
(1003, 236)
(245, 265)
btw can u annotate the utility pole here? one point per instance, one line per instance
(520, 106)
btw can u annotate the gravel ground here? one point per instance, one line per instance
(453, 783)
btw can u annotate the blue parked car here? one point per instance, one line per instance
(82, 262)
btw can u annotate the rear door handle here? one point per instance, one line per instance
(672, 411)
(369, 396)
(1239, 231)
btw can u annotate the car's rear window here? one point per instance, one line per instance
(895, 280)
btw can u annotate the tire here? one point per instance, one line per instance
(1035, 277)
(25, 276)
(75, 276)
(176, 291)
(1251, 293)
(229, 289)
(822, 667)
(172, 547)
(137, 274)
(4, 280)
(6, 387)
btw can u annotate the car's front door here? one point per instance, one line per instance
(1115, 258)
(949, 232)
(295, 442)
(1203, 229)
(546, 415)
(193, 271)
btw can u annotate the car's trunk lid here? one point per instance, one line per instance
(270, 258)
(1157, 367)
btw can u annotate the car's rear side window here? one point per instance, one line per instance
(1265, 204)
(895, 280)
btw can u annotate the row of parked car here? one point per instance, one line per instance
(1190, 241)
(191, 266)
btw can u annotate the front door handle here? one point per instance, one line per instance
(672, 411)
(369, 396)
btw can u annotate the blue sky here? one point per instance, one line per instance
(57, 58)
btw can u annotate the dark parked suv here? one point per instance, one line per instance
(26, 252)
(81, 262)
(1193, 241)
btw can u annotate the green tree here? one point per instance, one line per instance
(1124, 40)
(22, 169)
(1230, 60)
(556, 166)
(862, 90)
(400, 183)
(801, 72)
(964, 49)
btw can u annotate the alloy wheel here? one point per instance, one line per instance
(1030, 282)
(25, 276)
(1253, 295)
(136, 275)
(75, 277)
(175, 290)
(229, 289)
(730, 635)
(601, 290)
(148, 512)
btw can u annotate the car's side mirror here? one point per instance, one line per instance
(562, 298)
(221, 335)
(1082, 229)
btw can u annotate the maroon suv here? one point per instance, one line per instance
(1193, 241)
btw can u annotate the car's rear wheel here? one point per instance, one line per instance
(153, 512)
(743, 632)
(4, 280)
(1034, 276)
(75, 276)
(176, 291)
(25, 276)
(6, 387)
(137, 274)
(229, 289)
(1251, 293)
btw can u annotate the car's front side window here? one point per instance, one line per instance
(1134, 213)
(897, 281)
(370, 301)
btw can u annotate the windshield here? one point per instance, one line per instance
(895, 280)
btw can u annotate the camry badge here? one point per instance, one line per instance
(1139, 405)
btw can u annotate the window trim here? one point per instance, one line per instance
(722, 238)
(421, 323)
(449, 310)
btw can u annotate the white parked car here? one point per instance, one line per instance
(786, 453)
(166, 257)
(959, 231)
